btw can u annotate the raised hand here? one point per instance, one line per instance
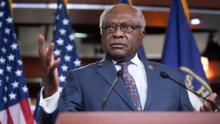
(49, 67)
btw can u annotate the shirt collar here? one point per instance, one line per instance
(135, 60)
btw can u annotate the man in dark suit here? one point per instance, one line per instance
(139, 88)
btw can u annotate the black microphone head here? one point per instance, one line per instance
(119, 73)
(164, 74)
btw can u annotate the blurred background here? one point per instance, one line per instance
(34, 17)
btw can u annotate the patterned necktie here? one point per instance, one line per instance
(130, 85)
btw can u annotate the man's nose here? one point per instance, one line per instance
(118, 33)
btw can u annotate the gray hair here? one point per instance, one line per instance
(139, 14)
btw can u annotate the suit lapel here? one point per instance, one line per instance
(152, 82)
(107, 70)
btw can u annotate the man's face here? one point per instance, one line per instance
(122, 33)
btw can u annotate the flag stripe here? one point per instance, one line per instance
(17, 114)
(9, 118)
(3, 116)
(28, 117)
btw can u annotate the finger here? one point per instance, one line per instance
(49, 54)
(53, 66)
(212, 97)
(41, 42)
(56, 63)
(210, 107)
(52, 59)
(53, 73)
(205, 107)
(202, 109)
(51, 48)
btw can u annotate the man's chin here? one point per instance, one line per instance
(119, 55)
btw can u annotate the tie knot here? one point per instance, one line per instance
(124, 64)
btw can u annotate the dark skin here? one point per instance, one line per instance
(118, 45)
(49, 67)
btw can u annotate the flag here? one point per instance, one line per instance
(141, 50)
(14, 97)
(181, 52)
(64, 46)
(126, 1)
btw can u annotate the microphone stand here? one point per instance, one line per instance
(119, 74)
(165, 75)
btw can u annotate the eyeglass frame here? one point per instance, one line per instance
(121, 26)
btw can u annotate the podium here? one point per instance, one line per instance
(139, 118)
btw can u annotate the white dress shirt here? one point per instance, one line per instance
(136, 69)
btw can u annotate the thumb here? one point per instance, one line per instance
(212, 97)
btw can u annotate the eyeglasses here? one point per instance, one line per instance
(126, 28)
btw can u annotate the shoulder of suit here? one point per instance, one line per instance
(87, 67)
(160, 66)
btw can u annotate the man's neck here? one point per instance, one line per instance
(122, 59)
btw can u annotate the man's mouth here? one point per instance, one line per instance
(117, 45)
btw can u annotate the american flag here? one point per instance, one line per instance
(64, 43)
(14, 97)
(65, 47)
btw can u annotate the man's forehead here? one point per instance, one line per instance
(120, 18)
(123, 14)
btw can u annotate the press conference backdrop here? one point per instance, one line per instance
(30, 22)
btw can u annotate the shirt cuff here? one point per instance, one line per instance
(195, 101)
(49, 104)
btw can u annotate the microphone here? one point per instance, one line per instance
(167, 76)
(119, 74)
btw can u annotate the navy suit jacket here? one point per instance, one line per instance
(87, 86)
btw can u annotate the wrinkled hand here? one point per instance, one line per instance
(207, 106)
(49, 67)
